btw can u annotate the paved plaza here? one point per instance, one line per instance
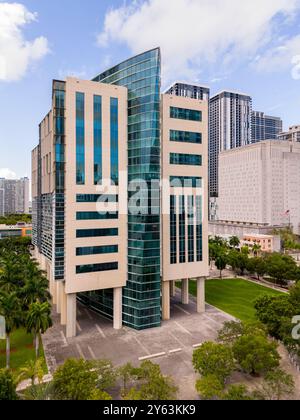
(171, 346)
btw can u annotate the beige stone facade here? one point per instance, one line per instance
(74, 282)
(260, 184)
(189, 269)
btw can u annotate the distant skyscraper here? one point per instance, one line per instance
(188, 90)
(1, 197)
(14, 196)
(292, 135)
(265, 127)
(230, 127)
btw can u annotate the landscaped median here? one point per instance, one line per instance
(234, 296)
(22, 350)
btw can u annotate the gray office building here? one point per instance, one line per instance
(230, 127)
(265, 127)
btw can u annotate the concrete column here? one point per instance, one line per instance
(71, 315)
(172, 288)
(185, 292)
(54, 291)
(58, 294)
(201, 295)
(166, 286)
(63, 316)
(118, 308)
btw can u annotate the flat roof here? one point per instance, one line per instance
(235, 92)
(186, 83)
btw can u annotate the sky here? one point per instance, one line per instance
(252, 47)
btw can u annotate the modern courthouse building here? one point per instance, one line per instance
(119, 188)
(260, 185)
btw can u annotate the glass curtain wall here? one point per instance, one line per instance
(141, 75)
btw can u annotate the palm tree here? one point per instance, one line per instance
(32, 370)
(35, 289)
(10, 309)
(38, 321)
(10, 273)
(256, 249)
(234, 242)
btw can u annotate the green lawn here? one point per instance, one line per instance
(22, 350)
(234, 296)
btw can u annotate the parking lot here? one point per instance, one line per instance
(171, 346)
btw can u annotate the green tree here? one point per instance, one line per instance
(282, 268)
(233, 330)
(38, 321)
(75, 380)
(237, 393)
(256, 249)
(242, 261)
(214, 359)
(277, 385)
(128, 375)
(36, 285)
(256, 354)
(10, 310)
(7, 386)
(107, 375)
(233, 259)
(98, 395)
(210, 387)
(234, 242)
(32, 370)
(257, 266)
(271, 310)
(10, 273)
(151, 384)
(41, 392)
(221, 262)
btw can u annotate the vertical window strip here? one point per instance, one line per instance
(97, 139)
(199, 231)
(173, 230)
(182, 216)
(80, 139)
(191, 226)
(114, 140)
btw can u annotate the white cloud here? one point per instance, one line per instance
(17, 53)
(283, 57)
(195, 33)
(7, 173)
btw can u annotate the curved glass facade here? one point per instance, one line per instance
(141, 75)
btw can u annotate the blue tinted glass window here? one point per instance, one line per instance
(97, 139)
(95, 215)
(93, 233)
(97, 250)
(95, 268)
(173, 230)
(182, 214)
(94, 198)
(114, 140)
(183, 159)
(185, 114)
(185, 137)
(191, 227)
(186, 181)
(80, 152)
(199, 229)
